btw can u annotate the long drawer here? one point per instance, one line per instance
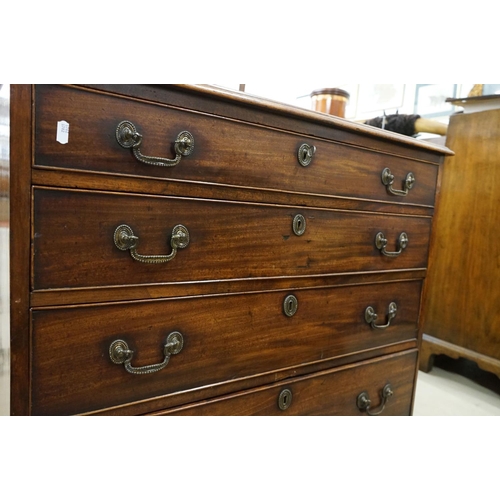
(76, 350)
(222, 151)
(384, 387)
(83, 239)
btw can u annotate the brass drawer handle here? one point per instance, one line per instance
(371, 316)
(128, 138)
(305, 154)
(381, 243)
(120, 354)
(363, 401)
(126, 240)
(388, 180)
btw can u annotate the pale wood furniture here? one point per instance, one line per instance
(275, 269)
(462, 317)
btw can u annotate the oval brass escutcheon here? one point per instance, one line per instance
(305, 154)
(285, 399)
(299, 225)
(119, 352)
(126, 134)
(184, 144)
(290, 305)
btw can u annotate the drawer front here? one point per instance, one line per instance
(74, 240)
(225, 338)
(225, 151)
(334, 393)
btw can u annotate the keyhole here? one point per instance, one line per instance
(290, 305)
(285, 399)
(299, 225)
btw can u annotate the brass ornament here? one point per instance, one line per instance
(364, 403)
(388, 181)
(125, 239)
(120, 354)
(381, 243)
(290, 305)
(128, 138)
(299, 225)
(285, 399)
(371, 316)
(305, 154)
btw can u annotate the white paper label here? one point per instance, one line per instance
(62, 132)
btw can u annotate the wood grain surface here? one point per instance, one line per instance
(332, 393)
(227, 152)
(461, 306)
(73, 240)
(225, 338)
(74, 292)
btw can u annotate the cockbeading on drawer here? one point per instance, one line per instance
(91, 357)
(151, 140)
(79, 240)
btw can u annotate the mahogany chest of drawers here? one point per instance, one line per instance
(188, 250)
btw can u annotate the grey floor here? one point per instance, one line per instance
(446, 393)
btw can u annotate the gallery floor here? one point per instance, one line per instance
(457, 388)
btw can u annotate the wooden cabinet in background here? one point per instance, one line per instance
(462, 305)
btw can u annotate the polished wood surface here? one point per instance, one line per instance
(250, 330)
(71, 250)
(20, 237)
(237, 194)
(226, 152)
(263, 111)
(461, 308)
(332, 393)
